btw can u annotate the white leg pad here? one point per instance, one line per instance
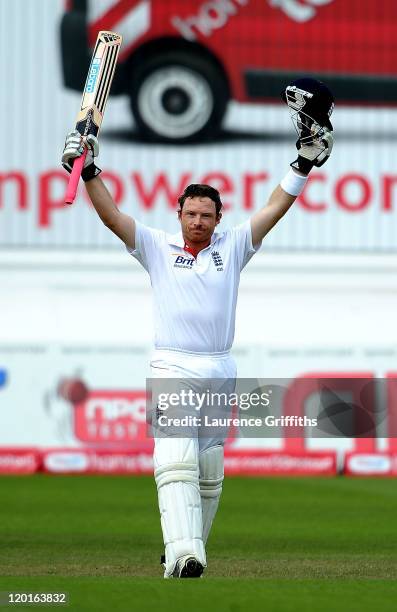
(177, 478)
(211, 479)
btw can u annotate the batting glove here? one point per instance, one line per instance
(74, 147)
(314, 153)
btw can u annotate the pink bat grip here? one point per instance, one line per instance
(75, 177)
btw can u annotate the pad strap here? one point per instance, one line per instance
(211, 480)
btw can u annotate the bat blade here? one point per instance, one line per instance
(95, 95)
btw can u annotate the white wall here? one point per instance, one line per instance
(297, 300)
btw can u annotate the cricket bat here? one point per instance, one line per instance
(96, 91)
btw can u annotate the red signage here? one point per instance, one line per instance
(82, 461)
(237, 462)
(111, 417)
(19, 461)
(259, 463)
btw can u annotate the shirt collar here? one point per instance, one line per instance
(177, 239)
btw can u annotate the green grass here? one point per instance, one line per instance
(277, 545)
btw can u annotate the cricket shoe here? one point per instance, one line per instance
(188, 567)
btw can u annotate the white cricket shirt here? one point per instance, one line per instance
(194, 299)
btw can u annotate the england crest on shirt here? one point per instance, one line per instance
(217, 259)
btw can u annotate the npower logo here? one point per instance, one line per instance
(299, 10)
(215, 14)
(115, 417)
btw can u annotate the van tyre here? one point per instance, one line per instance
(178, 97)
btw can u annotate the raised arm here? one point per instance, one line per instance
(119, 223)
(279, 202)
(310, 103)
(291, 186)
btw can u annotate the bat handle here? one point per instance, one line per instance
(75, 177)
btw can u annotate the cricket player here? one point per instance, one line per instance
(195, 277)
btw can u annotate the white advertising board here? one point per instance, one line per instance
(94, 396)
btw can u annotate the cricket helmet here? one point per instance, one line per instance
(310, 103)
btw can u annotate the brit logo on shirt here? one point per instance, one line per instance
(217, 259)
(183, 262)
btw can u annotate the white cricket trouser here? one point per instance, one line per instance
(189, 470)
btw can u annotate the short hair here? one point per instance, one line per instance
(202, 191)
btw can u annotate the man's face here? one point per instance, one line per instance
(198, 219)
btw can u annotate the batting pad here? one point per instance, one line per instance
(211, 479)
(177, 479)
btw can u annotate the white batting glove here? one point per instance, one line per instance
(74, 147)
(314, 153)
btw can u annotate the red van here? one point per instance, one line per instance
(183, 60)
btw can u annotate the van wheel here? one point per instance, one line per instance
(178, 97)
